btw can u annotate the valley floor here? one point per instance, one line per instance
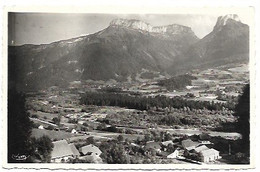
(60, 114)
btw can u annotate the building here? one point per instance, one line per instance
(90, 150)
(41, 127)
(209, 155)
(61, 151)
(74, 131)
(188, 144)
(75, 151)
(173, 155)
(201, 148)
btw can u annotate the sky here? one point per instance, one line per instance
(42, 28)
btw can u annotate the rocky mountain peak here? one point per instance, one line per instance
(134, 24)
(224, 20)
(143, 26)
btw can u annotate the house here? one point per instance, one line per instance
(75, 151)
(209, 155)
(201, 148)
(74, 131)
(90, 150)
(153, 145)
(61, 151)
(41, 127)
(173, 155)
(188, 144)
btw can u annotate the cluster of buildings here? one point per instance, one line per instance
(187, 149)
(65, 152)
(200, 150)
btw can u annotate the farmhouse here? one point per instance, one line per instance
(209, 155)
(90, 150)
(201, 148)
(61, 151)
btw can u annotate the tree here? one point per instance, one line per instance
(90, 140)
(114, 153)
(43, 148)
(120, 138)
(242, 111)
(19, 127)
(56, 120)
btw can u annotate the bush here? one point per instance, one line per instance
(50, 127)
(35, 116)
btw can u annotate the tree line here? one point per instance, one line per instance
(145, 103)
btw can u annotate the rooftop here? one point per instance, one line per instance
(61, 149)
(90, 148)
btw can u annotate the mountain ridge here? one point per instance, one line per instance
(118, 52)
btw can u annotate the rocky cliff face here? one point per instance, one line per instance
(143, 26)
(228, 42)
(227, 19)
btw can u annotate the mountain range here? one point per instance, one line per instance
(123, 49)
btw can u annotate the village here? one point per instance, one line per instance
(84, 133)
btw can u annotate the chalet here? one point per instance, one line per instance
(188, 144)
(173, 155)
(75, 151)
(90, 150)
(61, 151)
(209, 155)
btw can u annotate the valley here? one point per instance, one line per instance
(77, 120)
(133, 93)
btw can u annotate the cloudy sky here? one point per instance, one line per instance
(41, 28)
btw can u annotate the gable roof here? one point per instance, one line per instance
(209, 152)
(188, 143)
(201, 148)
(74, 149)
(90, 148)
(61, 149)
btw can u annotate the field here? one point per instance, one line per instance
(54, 135)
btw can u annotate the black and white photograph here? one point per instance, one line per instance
(131, 88)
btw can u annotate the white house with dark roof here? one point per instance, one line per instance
(61, 151)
